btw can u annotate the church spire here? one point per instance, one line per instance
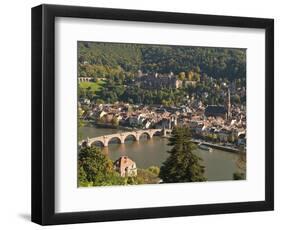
(228, 104)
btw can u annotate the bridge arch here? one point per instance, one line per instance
(84, 144)
(157, 133)
(97, 143)
(110, 140)
(147, 134)
(130, 135)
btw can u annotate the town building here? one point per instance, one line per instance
(125, 166)
(223, 111)
(215, 111)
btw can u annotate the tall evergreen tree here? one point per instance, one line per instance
(182, 165)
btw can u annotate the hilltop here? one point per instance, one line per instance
(119, 59)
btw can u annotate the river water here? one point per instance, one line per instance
(220, 165)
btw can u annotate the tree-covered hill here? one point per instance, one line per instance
(117, 58)
(126, 56)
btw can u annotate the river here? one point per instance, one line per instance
(220, 165)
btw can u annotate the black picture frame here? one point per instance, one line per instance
(43, 114)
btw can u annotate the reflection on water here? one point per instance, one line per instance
(220, 165)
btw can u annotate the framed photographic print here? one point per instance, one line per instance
(142, 114)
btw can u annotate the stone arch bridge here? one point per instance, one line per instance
(104, 140)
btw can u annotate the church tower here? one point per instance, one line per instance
(228, 105)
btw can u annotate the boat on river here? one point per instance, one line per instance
(205, 147)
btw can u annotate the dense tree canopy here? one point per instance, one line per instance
(95, 168)
(114, 66)
(119, 58)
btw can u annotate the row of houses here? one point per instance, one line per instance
(204, 122)
(235, 132)
(222, 134)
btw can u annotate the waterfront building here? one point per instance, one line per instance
(125, 166)
(242, 139)
(224, 135)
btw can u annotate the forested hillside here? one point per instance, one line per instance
(117, 59)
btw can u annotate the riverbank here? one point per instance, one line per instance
(220, 165)
(212, 145)
(216, 146)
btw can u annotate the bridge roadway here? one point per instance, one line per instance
(104, 140)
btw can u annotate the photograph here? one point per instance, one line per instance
(156, 114)
(140, 114)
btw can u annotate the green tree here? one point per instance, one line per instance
(82, 178)
(102, 120)
(103, 60)
(146, 176)
(154, 169)
(190, 75)
(196, 77)
(231, 138)
(80, 124)
(114, 121)
(182, 76)
(236, 99)
(182, 165)
(95, 164)
(240, 174)
(99, 101)
(96, 169)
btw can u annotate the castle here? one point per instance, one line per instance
(158, 81)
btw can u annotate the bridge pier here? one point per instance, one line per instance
(122, 138)
(137, 135)
(105, 142)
